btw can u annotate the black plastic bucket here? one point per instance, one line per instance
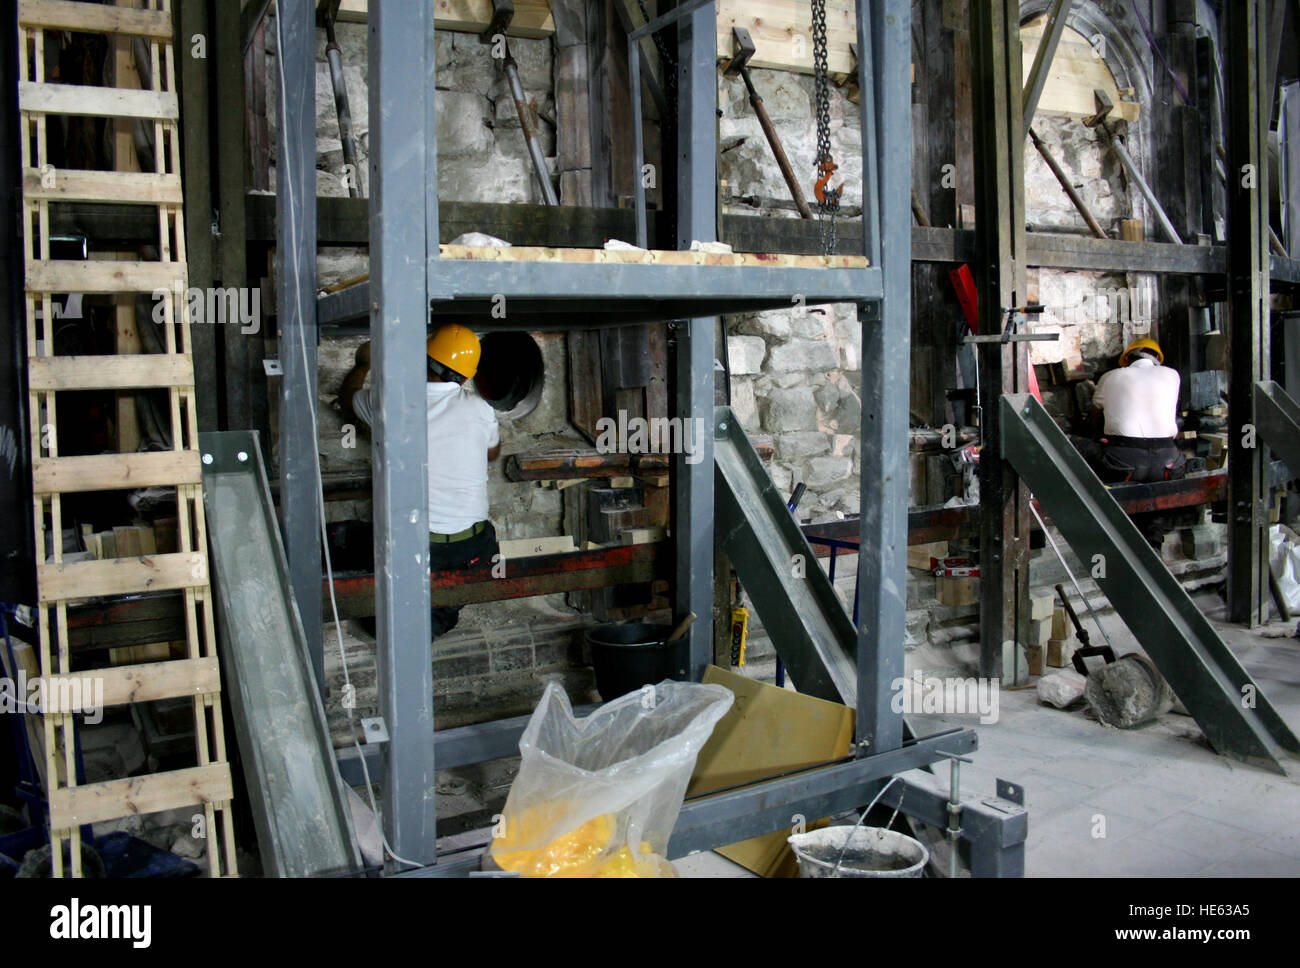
(629, 656)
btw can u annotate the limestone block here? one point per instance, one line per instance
(746, 353)
(787, 410)
(802, 355)
(801, 444)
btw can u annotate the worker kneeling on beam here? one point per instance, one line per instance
(1135, 408)
(463, 439)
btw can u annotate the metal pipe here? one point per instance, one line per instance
(530, 133)
(334, 56)
(778, 150)
(954, 815)
(1061, 177)
(1162, 220)
(1073, 581)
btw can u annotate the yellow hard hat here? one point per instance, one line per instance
(1142, 344)
(456, 348)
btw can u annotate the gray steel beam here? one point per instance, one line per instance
(300, 809)
(1219, 694)
(460, 746)
(761, 808)
(797, 603)
(994, 828)
(693, 340)
(403, 257)
(1248, 311)
(999, 269)
(1051, 39)
(885, 33)
(671, 285)
(1277, 417)
(295, 209)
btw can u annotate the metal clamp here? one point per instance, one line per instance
(374, 730)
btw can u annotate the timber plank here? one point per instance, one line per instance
(97, 802)
(95, 18)
(532, 17)
(115, 187)
(110, 372)
(148, 682)
(108, 472)
(774, 26)
(102, 276)
(89, 101)
(534, 253)
(60, 581)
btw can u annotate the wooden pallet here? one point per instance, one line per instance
(207, 785)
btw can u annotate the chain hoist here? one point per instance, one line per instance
(828, 199)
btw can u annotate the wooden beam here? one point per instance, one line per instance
(106, 472)
(109, 372)
(66, 581)
(97, 802)
(532, 17)
(124, 187)
(94, 18)
(147, 682)
(86, 101)
(782, 33)
(72, 275)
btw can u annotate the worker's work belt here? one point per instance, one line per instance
(1143, 443)
(468, 533)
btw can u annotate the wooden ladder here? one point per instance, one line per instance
(207, 785)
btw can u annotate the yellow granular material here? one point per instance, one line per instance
(582, 852)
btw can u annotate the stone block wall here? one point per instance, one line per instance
(796, 373)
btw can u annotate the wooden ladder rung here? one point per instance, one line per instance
(97, 802)
(150, 682)
(91, 101)
(66, 581)
(102, 276)
(116, 187)
(94, 18)
(126, 372)
(113, 472)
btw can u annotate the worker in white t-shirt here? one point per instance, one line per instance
(463, 439)
(1136, 409)
(1135, 414)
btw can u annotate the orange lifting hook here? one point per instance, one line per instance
(825, 195)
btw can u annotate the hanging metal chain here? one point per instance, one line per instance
(667, 61)
(828, 199)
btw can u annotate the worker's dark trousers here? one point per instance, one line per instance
(472, 554)
(1133, 460)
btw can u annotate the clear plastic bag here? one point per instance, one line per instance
(598, 796)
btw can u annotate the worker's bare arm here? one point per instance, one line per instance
(494, 453)
(354, 381)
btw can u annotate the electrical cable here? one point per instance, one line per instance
(320, 484)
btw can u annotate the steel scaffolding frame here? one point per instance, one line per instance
(404, 286)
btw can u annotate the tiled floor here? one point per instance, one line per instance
(1147, 802)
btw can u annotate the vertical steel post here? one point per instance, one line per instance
(999, 268)
(697, 98)
(1248, 288)
(403, 258)
(884, 40)
(295, 256)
